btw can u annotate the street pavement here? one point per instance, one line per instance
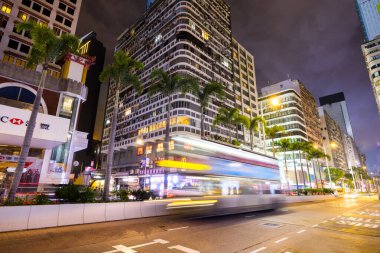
(343, 225)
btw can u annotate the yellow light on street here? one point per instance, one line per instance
(140, 142)
(275, 101)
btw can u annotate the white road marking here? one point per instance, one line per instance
(314, 226)
(172, 229)
(332, 219)
(301, 231)
(325, 221)
(258, 250)
(284, 210)
(249, 216)
(184, 249)
(281, 240)
(125, 249)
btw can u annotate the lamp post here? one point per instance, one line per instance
(140, 142)
(274, 101)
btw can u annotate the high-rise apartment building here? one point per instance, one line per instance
(335, 105)
(333, 140)
(369, 15)
(187, 37)
(371, 53)
(59, 15)
(246, 97)
(296, 111)
(56, 137)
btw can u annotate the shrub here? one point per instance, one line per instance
(87, 195)
(123, 195)
(235, 143)
(41, 199)
(17, 202)
(68, 193)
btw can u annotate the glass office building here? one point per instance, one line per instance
(369, 14)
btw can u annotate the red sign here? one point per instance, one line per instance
(16, 121)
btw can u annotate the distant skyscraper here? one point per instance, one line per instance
(335, 106)
(369, 14)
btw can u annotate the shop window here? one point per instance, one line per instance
(6, 8)
(160, 147)
(140, 151)
(171, 145)
(148, 150)
(67, 105)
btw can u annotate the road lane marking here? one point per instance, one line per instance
(172, 229)
(325, 221)
(258, 250)
(301, 231)
(125, 249)
(314, 226)
(249, 216)
(184, 249)
(281, 240)
(332, 219)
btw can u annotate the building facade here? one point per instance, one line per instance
(371, 53)
(59, 15)
(336, 107)
(297, 113)
(90, 157)
(186, 37)
(333, 140)
(369, 15)
(55, 138)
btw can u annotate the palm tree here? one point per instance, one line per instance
(210, 89)
(284, 145)
(295, 146)
(167, 85)
(272, 133)
(253, 127)
(47, 49)
(311, 154)
(305, 147)
(229, 118)
(122, 71)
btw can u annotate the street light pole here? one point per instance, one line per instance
(327, 164)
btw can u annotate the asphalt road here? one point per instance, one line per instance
(344, 225)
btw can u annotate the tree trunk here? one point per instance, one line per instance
(286, 173)
(202, 123)
(303, 175)
(27, 139)
(166, 144)
(315, 174)
(111, 142)
(274, 155)
(295, 173)
(319, 171)
(308, 173)
(251, 140)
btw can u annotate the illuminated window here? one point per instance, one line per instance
(6, 8)
(8, 58)
(160, 147)
(20, 63)
(140, 151)
(187, 147)
(67, 104)
(148, 150)
(205, 35)
(192, 25)
(158, 38)
(22, 15)
(128, 111)
(171, 145)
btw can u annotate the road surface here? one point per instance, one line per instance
(344, 225)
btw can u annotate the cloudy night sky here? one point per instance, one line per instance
(317, 42)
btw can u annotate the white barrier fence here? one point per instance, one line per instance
(14, 218)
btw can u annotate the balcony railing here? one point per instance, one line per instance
(32, 77)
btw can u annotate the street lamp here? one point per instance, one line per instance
(140, 142)
(274, 101)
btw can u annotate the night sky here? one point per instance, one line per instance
(317, 42)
